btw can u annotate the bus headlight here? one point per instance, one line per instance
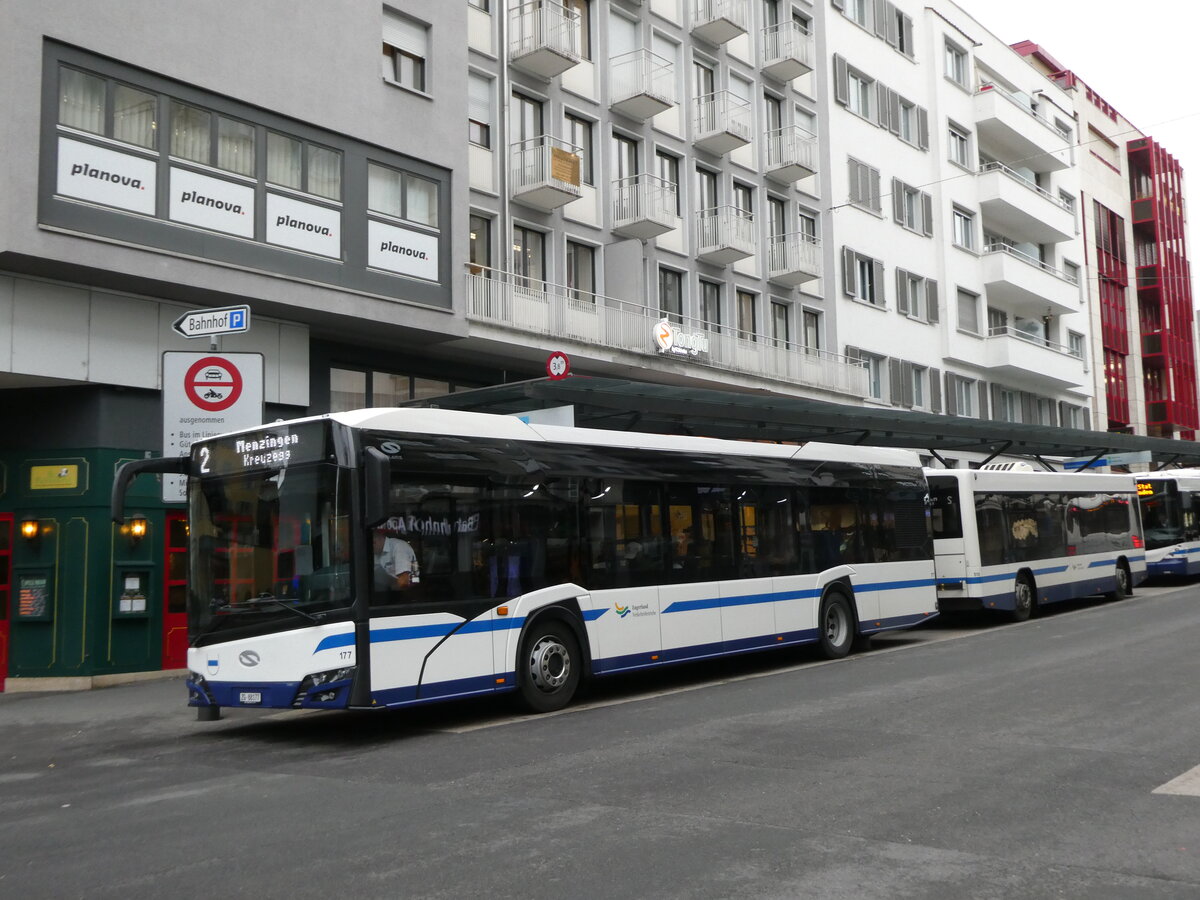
(337, 678)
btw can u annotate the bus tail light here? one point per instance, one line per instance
(1071, 550)
(1138, 543)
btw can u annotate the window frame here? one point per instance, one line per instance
(963, 229)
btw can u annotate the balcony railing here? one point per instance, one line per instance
(1025, 182)
(791, 154)
(793, 258)
(1037, 341)
(1000, 247)
(545, 172)
(644, 206)
(718, 21)
(787, 51)
(988, 86)
(543, 38)
(724, 234)
(721, 122)
(642, 84)
(529, 306)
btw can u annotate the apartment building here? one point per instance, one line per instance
(1138, 277)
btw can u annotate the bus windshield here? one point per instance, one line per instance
(270, 549)
(1162, 516)
(945, 511)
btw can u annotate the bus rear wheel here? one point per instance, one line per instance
(1124, 583)
(835, 624)
(549, 667)
(1024, 597)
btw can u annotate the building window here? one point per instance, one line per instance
(81, 100)
(862, 277)
(808, 226)
(1070, 271)
(706, 189)
(864, 186)
(581, 271)
(964, 229)
(405, 50)
(907, 124)
(670, 294)
(480, 244)
(859, 98)
(191, 133)
(747, 313)
(479, 110)
(960, 146)
(1075, 344)
(304, 166)
(779, 323)
(481, 5)
(920, 375)
(812, 331)
(526, 116)
(402, 195)
(910, 294)
(857, 11)
(529, 257)
(1072, 416)
(965, 390)
(968, 312)
(583, 8)
(874, 367)
(710, 305)
(579, 132)
(625, 156)
(668, 171)
(1006, 405)
(743, 198)
(134, 114)
(356, 388)
(956, 64)
(912, 208)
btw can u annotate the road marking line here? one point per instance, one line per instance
(1186, 785)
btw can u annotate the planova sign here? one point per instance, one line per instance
(99, 175)
(211, 203)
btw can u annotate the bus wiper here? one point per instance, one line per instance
(265, 599)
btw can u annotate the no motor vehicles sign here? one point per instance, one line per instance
(206, 394)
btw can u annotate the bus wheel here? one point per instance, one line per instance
(550, 666)
(836, 625)
(1124, 583)
(1023, 596)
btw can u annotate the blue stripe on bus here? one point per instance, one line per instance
(779, 596)
(1101, 563)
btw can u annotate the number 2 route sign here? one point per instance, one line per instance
(206, 394)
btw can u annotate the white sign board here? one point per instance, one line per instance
(402, 250)
(210, 322)
(98, 175)
(304, 226)
(211, 203)
(205, 394)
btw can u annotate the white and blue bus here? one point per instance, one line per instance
(383, 558)
(1170, 505)
(1010, 539)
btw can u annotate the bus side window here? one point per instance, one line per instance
(766, 532)
(993, 527)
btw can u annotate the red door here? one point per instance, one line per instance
(175, 569)
(6, 539)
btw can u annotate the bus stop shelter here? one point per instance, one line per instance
(628, 405)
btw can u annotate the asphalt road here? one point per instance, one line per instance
(964, 760)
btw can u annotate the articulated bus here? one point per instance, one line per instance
(1171, 516)
(383, 558)
(1008, 538)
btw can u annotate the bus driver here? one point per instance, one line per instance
(395, 562)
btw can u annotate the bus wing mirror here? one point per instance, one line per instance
(377, 483)
(127, 471)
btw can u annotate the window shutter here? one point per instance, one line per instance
(906, 384)
(882, 104)
(902, 292)
(893, 31)
(856, 180)
(881, 17)
(935, 391)
(922, 128)
(479, 99)
(849, 272)
(951, 395)
(838, 4)
(1028, 407)
(927, 214)
(931, 301)
(896, 381)
(841, 81)
(996, 404)
(893, 112)
(404, 33)
(898, 200)
(906, 34)
(1064, 412)
(983, 399)
(878, 299)
(852, 354)
(875, 197)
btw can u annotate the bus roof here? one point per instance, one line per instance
(993, 480)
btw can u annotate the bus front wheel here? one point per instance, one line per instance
(1024, 597)
(835, 625)
(550, 666)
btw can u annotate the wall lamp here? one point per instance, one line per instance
(137, 527)
(30, 529)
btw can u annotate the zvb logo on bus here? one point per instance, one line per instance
(622, 611)
(634, 609)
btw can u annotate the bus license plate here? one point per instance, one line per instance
(250, 697)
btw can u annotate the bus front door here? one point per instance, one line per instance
(174, 633)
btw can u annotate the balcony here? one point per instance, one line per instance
(644, 206)
(545, 173)
(641, 84)
(724, 235)
(543, 38)
(1027, 286)
(1026, 359)
(1022, 209)
(1010, 128)
(791, 154)
(718, 21)
(525, 307)
(721, 122)
(793, 259)
(787, 51)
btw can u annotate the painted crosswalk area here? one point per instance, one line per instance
(1187, 784)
